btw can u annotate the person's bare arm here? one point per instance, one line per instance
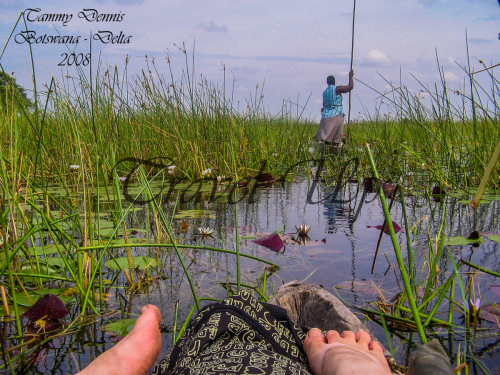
(346, 89)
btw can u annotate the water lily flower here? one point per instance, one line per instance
(275, 154)
(171, 169)
(207, 172)
(122, 178)
(205, 231)
(303, 229)
(74, 166)
(221, 178)
(473, 309)
(473, 305)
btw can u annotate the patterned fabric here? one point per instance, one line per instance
(332, 102)
(239, 335)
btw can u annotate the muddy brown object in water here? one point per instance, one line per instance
(311, 306)
(264, 177)
(437, 190)
(474, 235)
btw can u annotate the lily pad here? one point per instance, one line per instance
(137, 262)
(495, 289)
(58, 262)
(461, 241)
(106, 232)
(396, 227)
(7, 318)
(495, 238)
(23, 300)
(272, 242)
(193, 214)
(106, 224)
(491, 313)
(49, 307)
(364, 286)
(44, 269)
(121, 327)
(121, 241)
(41, 250)
(316, 251)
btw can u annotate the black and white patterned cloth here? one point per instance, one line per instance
(239, 335)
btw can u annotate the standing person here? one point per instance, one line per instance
(331, 126)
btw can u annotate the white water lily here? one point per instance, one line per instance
(171, 169)
(122, 178)
(303, 229)
(205, 231)
(207, 172)
(74, 166)
(221, 178)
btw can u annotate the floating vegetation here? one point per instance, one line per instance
(396, 227)
(302, 230)
(120, 328)
(272, 242)
(205, 231)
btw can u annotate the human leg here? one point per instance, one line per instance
(136, 353)
(348, 353)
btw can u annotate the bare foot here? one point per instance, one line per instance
(136, 353)
(349, 354)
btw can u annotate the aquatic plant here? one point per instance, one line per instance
(472, 310)
(205, 231)
(303, 229)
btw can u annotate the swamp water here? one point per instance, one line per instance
(338, 256)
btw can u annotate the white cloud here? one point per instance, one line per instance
(450, 77)
(375, 57)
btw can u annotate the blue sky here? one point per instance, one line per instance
(290, 45)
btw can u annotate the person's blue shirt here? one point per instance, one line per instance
(332, 102)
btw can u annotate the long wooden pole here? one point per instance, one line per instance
(352, 55)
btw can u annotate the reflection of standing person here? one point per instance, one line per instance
(331, 126)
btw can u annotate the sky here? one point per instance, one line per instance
(286, 48)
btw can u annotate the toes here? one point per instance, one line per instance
(376, 347)
(332, 336)
(363, 338)
(349, 335)
(151, 312)
(148, 322)
(314, 342)
(315, 335)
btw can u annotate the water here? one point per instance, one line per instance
(340, 253)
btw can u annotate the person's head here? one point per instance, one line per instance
(330, 80)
